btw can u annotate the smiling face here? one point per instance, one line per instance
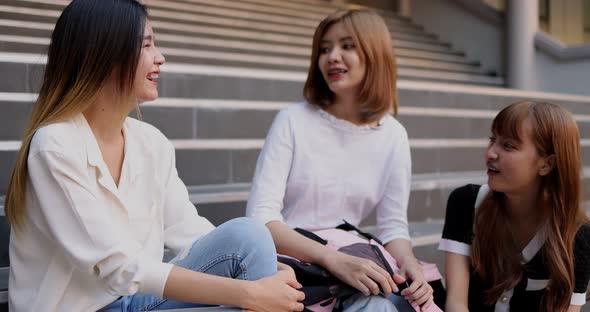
(340, 64)
(145, 87)
(513, 164)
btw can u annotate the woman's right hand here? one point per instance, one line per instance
(362, 274)
(275, 293)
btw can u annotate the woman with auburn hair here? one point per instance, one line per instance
(521, 242)
(95, 195)
(341, 155)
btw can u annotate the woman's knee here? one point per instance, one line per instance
(255, 243)
(247, 229)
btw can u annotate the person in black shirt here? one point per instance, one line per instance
(521, 242)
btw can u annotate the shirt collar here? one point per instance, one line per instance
(133, 160)
(535, 244)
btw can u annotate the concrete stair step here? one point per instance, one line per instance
(227, 28)
(31, 37)
(177, 28)
(23, 72)
(428, 198)
(292, 17)
(464, 78)
(180, 118)
(27, 75)
(260, 13)
(37, 7)
(209, 161)
(306, 15)
(205, 118)
(435, 56)
(238, 58)
(27, 14)
(330, 7)
(415, 66)
(43, 10)
(319, 9)
(280, 11)
(50, 9)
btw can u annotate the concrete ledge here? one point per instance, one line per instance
(219, 193)
(238, 192)
(559, 50)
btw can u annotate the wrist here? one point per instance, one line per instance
(325, 257)
(407, 260)
(456, 306)
(247, 297)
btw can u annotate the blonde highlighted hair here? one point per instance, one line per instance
(378, 92)
(93, 42)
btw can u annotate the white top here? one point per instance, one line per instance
(87, 242)
(316, 170)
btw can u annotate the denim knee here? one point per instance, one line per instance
(248, 230)
(254, 241)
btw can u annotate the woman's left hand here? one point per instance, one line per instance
(419, 292)
(288, 270)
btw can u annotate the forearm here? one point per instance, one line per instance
(401, 250)
(196, 287)
(291, 243)
(457, 282)
(574, 308)
(452, 306)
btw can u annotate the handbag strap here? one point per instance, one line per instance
(311, 236)
(349, 227)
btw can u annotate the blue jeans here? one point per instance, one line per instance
(241, 248)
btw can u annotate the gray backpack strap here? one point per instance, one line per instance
(481, 195)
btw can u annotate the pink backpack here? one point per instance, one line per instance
(342, 239)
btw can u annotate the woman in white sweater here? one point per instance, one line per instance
(95, 195)
(341, 155)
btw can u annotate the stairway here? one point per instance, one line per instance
(232, 64)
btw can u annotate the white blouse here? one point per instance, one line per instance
(316, 170)
(86, 241)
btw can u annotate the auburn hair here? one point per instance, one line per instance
(378, 92)
(93, 42)
(495, 256)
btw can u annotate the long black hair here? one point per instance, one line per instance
(93, 42)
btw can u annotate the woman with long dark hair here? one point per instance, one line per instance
(95, 195)
(522, 241)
